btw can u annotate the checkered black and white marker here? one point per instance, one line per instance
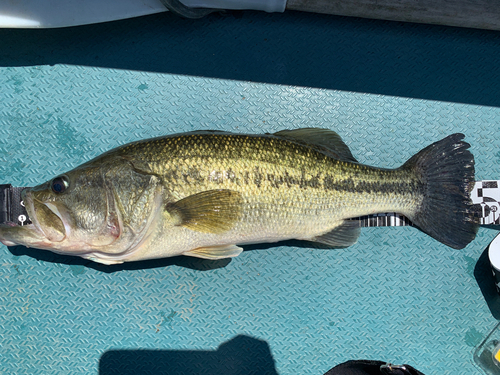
(487, 195)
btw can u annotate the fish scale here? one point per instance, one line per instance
(262, 166)
(203, 193)
(289, 190)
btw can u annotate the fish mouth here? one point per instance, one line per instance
(30, 235)
(47, 217)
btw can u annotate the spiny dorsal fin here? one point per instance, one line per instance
(323, 140)
(212, 211)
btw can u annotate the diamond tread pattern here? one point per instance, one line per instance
(396, 295)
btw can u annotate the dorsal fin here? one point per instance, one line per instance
(323, 140)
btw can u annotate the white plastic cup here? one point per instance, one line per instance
(494, 256)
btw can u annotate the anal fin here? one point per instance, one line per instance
(215, 252)
(342, 236)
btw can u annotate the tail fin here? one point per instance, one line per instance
(446, 169)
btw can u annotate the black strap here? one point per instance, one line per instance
(368, 367)
(179, 9)
(12, 210)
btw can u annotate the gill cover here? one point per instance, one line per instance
(102, 206)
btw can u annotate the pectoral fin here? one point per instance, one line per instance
(212, 211)
(215, 252)
(342, 236)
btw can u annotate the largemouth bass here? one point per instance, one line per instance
(203, 193)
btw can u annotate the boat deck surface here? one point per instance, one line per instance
(387, 88)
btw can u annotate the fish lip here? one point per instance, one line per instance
(29, 203)
(30, 209)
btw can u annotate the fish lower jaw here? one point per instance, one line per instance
(8, 243)
(26, 235)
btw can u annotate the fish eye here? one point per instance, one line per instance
(59, 184)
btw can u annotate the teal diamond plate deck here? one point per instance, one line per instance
(388, 88)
